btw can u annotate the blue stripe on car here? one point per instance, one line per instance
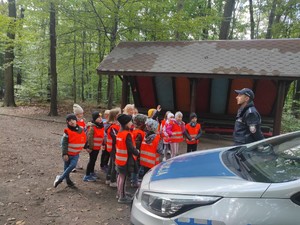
(191, 165)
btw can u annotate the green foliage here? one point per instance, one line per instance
(87, 30)
(290, 122)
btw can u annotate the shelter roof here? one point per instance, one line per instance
(276, 58)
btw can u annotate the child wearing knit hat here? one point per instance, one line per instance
(151, 148)
(95, 140)
(78, 112)
(73, 141)
(192, 133)
(175, 130)
(138, 135)
(125, 153)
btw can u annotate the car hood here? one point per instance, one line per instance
(201, 173)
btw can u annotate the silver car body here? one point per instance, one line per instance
(203, 173)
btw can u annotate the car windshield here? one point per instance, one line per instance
(275, 160)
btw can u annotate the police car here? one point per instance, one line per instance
(253, 184)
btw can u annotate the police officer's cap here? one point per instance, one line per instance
(245, 91)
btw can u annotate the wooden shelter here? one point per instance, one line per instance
(201, 76)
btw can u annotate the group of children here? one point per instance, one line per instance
(131, 144)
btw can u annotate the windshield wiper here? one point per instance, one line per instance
(240, 159)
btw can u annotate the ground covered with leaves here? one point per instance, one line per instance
(30, 158)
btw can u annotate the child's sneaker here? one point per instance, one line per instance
(135, 185)
(104, 169)
(94, 175)
(89, 178)
(125, 200)
(57, 181)
(70, 183)
(114, 184)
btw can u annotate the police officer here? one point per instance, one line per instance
(247, 126)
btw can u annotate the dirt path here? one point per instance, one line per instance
(30, 159)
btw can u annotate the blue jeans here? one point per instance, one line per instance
(68, 167)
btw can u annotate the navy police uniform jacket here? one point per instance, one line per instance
(247, 126)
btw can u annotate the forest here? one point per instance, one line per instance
(49, 50)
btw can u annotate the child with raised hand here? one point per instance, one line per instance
(73, 141)
(95, 142)
(125, 151)
(175, 129)
(193, 133)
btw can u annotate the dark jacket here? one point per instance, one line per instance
(131, 165)
(247, 126)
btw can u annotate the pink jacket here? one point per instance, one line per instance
(169, 127)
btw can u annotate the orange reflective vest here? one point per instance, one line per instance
(193, 132)
(81, 123)
(177, 135)
(98, 137)
(76, 141)
(148, 155)
(135, 134)
(109, 141)
(121, 148)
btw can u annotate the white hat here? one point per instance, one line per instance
(77, 109)
(170, 115)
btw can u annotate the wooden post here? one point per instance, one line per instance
(279, 107)
(125, 92)
(193, 95)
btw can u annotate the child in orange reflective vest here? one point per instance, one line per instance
(138, 135)
(105, 154)
(125, 152)
(73, 141)
(193, 133)
(164, 135)
(112, 130)
(95, 142)
(78, 111)
(175, 129)
(151, 148)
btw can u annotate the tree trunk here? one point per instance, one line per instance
(74, 90)
(101, 56)
(252, 23)
(113, 39)
(205, 30)
(9, 98)
(53, 72)
(83, 61)
(271, 20)
(178, 34)
(227, 16)
(233, 26)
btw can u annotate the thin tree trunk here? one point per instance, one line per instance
(100, 50)
(9, 98)
(83, 56)
(74, 90)
(110, 85)
(178, 34)
(252, 23)
(227, 17)
(205, 30)
(53, 72)
(271, 20)
(233, 20)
